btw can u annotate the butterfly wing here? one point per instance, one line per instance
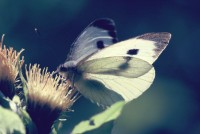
(146, 47)
(129, 67)
(96, 91)
(97, 35)
(105, 90)
(111, 79)
(128, 82)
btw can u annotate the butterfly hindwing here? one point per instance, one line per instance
(108, 89)
(98, 35)
(96, 91)
(146, 47)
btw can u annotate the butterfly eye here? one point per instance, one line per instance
(63, 69)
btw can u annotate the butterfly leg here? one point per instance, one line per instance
(72, 80)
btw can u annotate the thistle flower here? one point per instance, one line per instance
(47, 97)
(9, 60)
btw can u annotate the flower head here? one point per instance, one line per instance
(47, 96)
(9, 60)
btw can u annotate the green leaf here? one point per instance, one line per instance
(11, 105)
(56, 126)
(100, 119)
(106, 128)
(8, 104)
(10, 123)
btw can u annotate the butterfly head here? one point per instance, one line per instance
(66, 69)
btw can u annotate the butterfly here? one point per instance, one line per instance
(105, 70)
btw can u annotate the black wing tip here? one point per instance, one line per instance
(163, 37)
(106, 20)
(104, 23)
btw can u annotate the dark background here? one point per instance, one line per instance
(171, 105)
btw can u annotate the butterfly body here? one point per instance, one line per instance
(107, 71)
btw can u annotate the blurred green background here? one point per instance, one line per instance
(170, 106)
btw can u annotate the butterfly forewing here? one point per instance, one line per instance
(98, 35)
(146, 47)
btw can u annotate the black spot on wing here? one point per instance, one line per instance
(124, 66)
(106, 24)
(91, 122)
(133, 51)
(100, 44)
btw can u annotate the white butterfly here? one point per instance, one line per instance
(107, 71)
